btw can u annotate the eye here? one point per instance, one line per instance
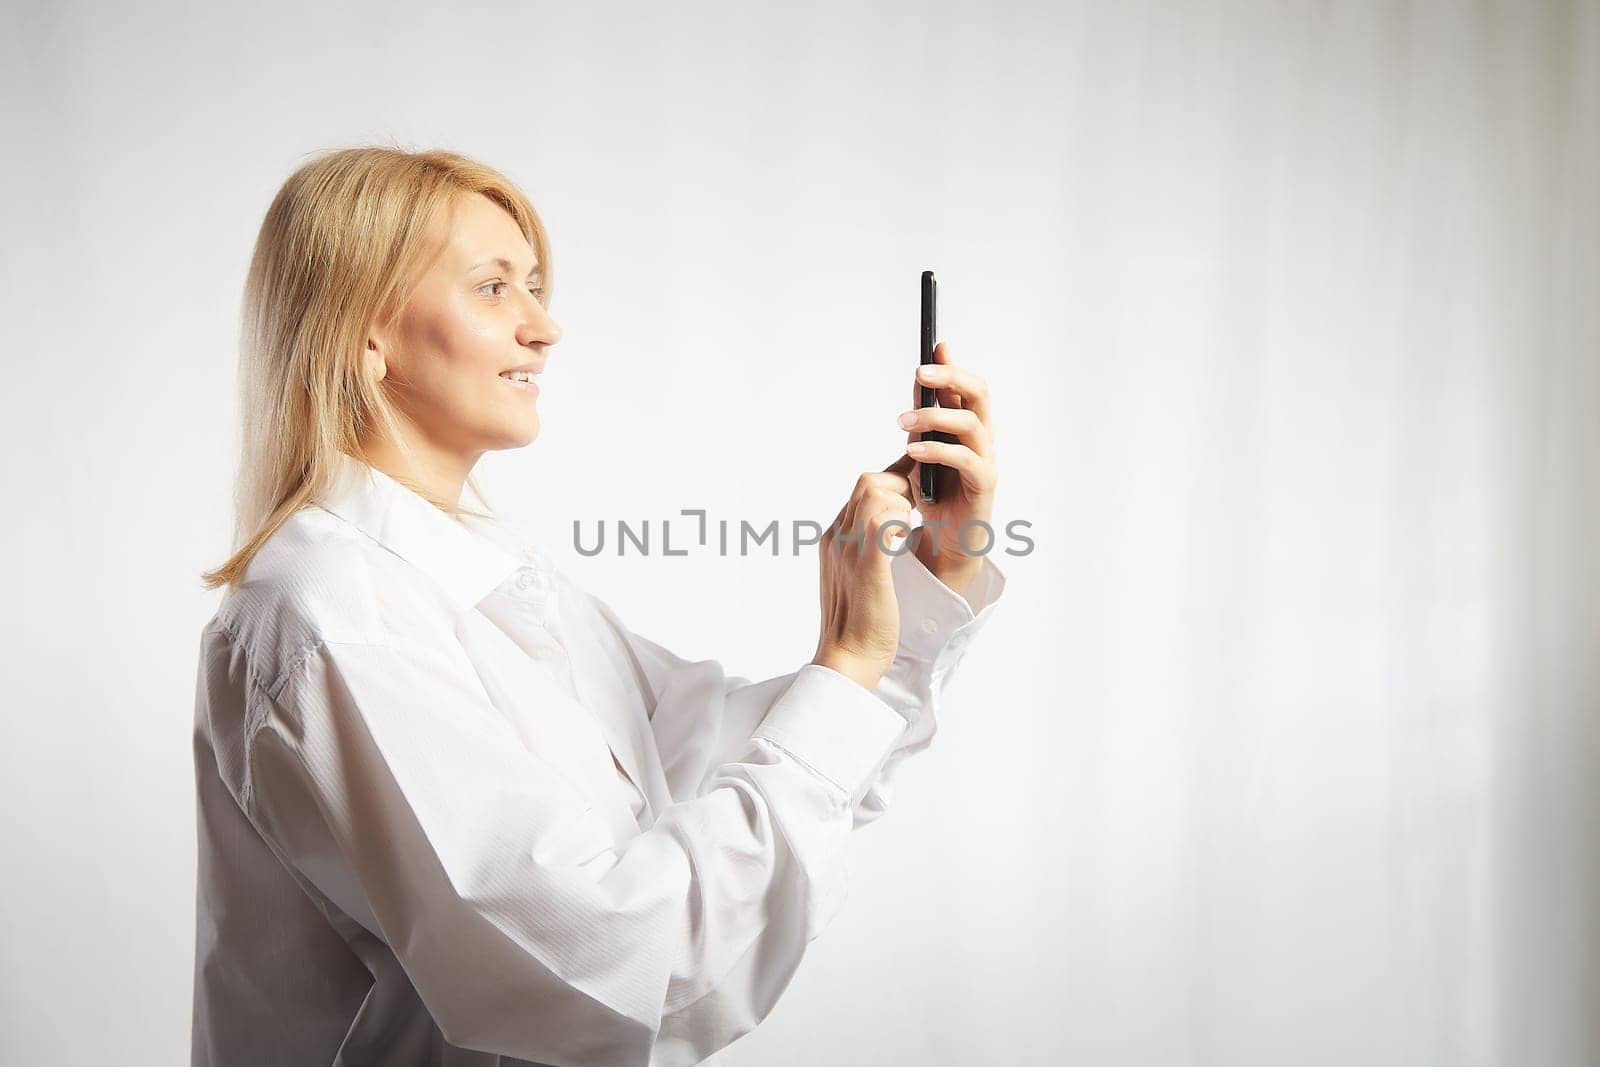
(538, 291)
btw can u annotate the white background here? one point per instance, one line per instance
(1283, 747)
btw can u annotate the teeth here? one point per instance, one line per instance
(518, 375)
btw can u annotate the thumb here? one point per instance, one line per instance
(903, 467)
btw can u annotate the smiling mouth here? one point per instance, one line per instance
(521, 379)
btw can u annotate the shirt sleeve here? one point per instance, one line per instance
(702, 717)
(385, 774)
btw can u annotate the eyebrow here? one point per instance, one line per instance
(505, 265)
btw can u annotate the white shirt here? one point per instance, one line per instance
(453, 812)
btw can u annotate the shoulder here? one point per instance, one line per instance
(316, 580)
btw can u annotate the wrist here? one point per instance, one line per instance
(853, 668)
(949, 563)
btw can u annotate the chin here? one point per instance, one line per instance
(520, 436)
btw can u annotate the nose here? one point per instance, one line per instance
(537, 327)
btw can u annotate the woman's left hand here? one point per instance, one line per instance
(965, 486)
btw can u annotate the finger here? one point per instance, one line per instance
(972, 466)
(963, 423)
(948, 396)
(896, 477)
(882, 511)
(912, 478)
(851, 515)
(876, 492)
(965, 387)
(880, 507)
(916, 402)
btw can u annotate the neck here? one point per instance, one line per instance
(441, 472)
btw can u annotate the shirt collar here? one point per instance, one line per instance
(467, 563)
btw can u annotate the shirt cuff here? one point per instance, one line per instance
(833, 725)
(931, 613)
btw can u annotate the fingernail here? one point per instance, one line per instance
(929, 372)
(916, 448)
(909, 419)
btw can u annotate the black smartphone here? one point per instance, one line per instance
(927, 396)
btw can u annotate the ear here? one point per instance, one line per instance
(376, 364)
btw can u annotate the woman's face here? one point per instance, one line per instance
(475, 315)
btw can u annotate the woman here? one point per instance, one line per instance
(452, 810)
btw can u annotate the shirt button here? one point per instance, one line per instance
(525, 578)
(929, 626)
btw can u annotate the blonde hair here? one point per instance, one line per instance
(342, 247)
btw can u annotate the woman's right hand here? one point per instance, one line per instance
(860, 616)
